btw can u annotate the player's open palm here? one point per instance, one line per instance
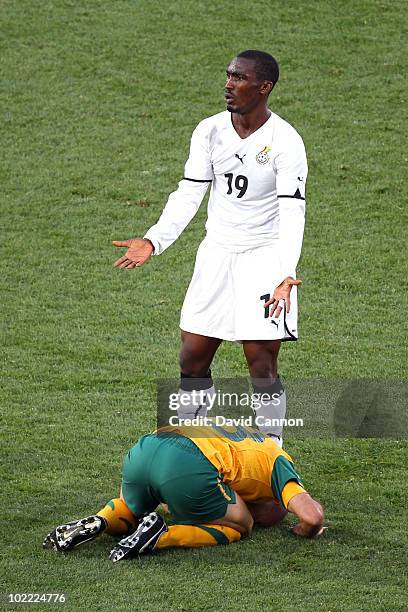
(281, 296)
(138, 252)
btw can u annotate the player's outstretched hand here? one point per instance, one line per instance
(281, 296)
(138, 252)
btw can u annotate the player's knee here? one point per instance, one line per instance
(239, 517)
(193, 364)
(190, 367)
(244, 525)
(248, 526)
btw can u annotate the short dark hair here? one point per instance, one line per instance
(266, 66)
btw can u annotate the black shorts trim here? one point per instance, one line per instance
(291, 336)
(296, 196)
(185, 178)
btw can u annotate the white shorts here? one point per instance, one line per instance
(227, 294)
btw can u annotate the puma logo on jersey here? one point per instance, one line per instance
(241, 159)
(275, 322)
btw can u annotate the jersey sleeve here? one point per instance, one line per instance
(183, 203)
(289, 491)
(291, 174)
(283, 472)
(199, 166)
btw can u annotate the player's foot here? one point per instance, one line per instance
(73, 534)
(141, 541)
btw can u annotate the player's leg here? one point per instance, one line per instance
(197, 353)
(114, 519)
(262, 360)
(153, 534)
(236, 524)
(255, 277)
(119, 519)
(196, 385)
(205, 319)
(237, 517)
(207, 511)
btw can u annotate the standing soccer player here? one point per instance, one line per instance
(244, 283)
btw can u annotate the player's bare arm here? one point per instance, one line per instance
(281, 296)
(139, 250)
(310, 515)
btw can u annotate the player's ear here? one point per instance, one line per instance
(266, 88)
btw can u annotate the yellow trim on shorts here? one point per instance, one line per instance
(289, 491)
(223, 491)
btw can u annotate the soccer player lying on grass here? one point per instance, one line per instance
(216, 482)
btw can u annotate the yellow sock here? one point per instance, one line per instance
(190, 536)
(119, 518)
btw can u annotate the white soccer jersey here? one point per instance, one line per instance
(257, 189)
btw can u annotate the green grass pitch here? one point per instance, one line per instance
(98, 101)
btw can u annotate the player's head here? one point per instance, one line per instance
(266, 66)
(251, 76)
